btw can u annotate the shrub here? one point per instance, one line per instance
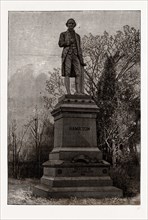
(126, 175)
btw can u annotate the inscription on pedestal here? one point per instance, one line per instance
(75, 128)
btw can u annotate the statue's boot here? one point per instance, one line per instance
(67, 84)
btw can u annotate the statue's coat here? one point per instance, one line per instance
(64, 42)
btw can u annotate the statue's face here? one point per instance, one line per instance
(71, 24)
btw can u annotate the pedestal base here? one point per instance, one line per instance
(65, 180)
(75, 166)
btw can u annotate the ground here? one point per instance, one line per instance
(20, 193)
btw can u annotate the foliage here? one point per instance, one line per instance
(124, 46)
(55, 88)
(126, 175)
(112, 78)
(118, 122)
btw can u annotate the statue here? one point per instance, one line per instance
(72, 59)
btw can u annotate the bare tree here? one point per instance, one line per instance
(15, 146)
(37, 125)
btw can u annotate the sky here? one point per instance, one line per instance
(33, 36)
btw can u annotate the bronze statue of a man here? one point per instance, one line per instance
(72, 59)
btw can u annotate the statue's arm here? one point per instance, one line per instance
(62, 42)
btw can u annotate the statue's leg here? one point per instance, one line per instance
(77, 84)
(77, 69)
(82, 79)
(68, 62)
(67, 84)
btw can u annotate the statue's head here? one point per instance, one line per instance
(71, 23)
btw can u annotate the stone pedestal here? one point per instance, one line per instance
(75, 166)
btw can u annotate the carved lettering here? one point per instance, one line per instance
(79, 128)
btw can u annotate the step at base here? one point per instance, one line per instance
(76, 181)
(79, 192)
